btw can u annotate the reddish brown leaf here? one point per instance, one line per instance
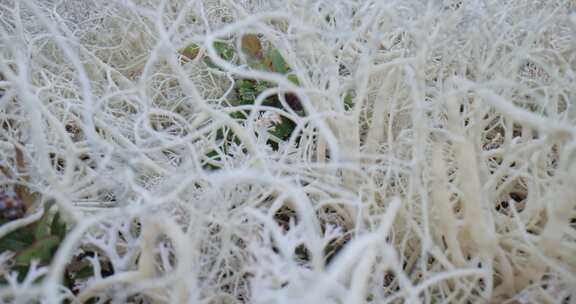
(251, 46)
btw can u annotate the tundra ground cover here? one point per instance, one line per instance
(220, 151)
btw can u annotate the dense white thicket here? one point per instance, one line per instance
(451, 178)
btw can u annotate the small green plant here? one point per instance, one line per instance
(246, 91)
(34, 245)
(37, 241)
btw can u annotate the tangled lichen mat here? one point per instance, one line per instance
(287, 151)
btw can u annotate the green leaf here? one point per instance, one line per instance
(283, 130)
(42, 229)
(213, 154)
(224, 50)
(10, 244)
(247, 96)
(261, 86)
(58, 227)
(40, 250)
(238, 115)
(294, 79)
(18, 240)
(245, 84)
(348, 101)
(278, 63)
(85, 271)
